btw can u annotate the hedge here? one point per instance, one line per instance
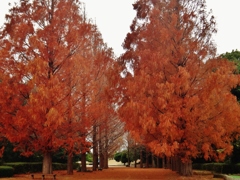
(1, 162)
(27, 167)
(6, 171)
(222, 168)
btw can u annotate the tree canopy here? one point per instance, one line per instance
(53, 62)
(177, 98)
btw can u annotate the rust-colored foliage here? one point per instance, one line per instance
(178, 99)
(52, 59)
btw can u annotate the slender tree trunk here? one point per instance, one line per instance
(95, 161)
(141, 158)
(95, 148)
(70, 164)
(153, 161)
(101, 164)
(135, 156)
(163, 162)
(173, 163)
(178, 164)
(83, 162)
(147, 160)
(186, 169)
(101, 156)
(128, 155)
(158, 163)
(105, 159)
(100, 153)
(135, 159)
(47, 163)
(106, 149)
(168, 163)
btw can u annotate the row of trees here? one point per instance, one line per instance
(61, 87)
(54, 74)
(175, 93)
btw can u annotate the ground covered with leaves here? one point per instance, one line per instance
(121, 173)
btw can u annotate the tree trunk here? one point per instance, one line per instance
(168, 163)
(83, 162)
(141, 159)
(174, 163)
(158, 163)
(101, 163)
(128, 155)
(106, 149)
(153, 161)
(178, 164)
(100, 146)
(186, 169)
(95, 148)
(70, 164)
(163, 162)
(105, 159)
(47, 163)
(95, 161)
(135, 156)
(147, 159)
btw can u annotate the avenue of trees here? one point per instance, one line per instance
(62, 87)
(54, 75)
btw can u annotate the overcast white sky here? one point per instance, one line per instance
(113, 18)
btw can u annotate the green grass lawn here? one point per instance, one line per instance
(235, 176)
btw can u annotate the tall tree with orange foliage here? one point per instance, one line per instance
(107, 127)
(41, 43)
(177, 98)
(86, 98)
(104, 119)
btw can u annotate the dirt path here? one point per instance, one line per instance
(122, 173)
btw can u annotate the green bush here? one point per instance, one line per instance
(89, 157)
(59, 166)
(222, 168)
(117, 156)
(237, 168)
(26, 167)
(124, 158)
(1, 162)
(6, 171)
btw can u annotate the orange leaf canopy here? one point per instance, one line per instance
(175, 101)
(49, 50)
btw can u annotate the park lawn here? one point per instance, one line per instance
(120, 173)
(234, 176)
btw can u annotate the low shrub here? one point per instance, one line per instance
(33, 167)
(1, 162)
(25, 167)
(6, 171)
(59, 166)
(237, 167)
(222, 168)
